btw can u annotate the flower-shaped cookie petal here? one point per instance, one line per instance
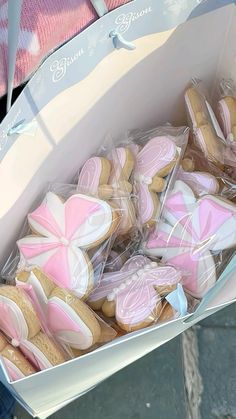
(193, 229)
(65, 231)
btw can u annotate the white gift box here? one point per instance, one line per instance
(84, 91)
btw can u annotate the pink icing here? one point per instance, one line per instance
(136, 305)
(90, 175)
(33, 249)
(58, 254)
(225, 118)
(114, 279)
(59, 320)
(158, 153)
(159, 238)
(67, 326)
(155, 155)
(177, 204)
(209, 224)
(34, 360)
(9, 321)
(43, 216)
(201, 183)
(138, 299)
(145, 203)
(13, 372)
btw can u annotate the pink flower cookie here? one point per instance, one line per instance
(153, 162)
(227, 116)
(192, 230)
(136, 303)
(122, 162)
(65, 231)
(20, 323)
(67, 318)
(201, 183)
(115, 279)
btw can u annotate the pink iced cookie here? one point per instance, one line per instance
(114, 279)
(67, 318)
(93, 177)
(153, 162)
(65, 231)
(20, 323)
(200, 182)
(192, 231)
(227, 115)
(71, 321)
(16, 364)
(136, 303)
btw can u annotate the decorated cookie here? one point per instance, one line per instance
(200, 182)
(227, 116)
(208, 134)
(93, 177)
(122, 162)
(115, 279)
(193, 229)
(20, 323)
(65, 231)
(136, 303)
(69, 320)
(16, 364)
(153, 162)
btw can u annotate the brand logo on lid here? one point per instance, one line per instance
(125, 20)
(59, 67)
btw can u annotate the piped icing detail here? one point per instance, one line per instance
(65, 232)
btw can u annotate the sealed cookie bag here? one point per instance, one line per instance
(68, 238)
(108, 175)
(24, 344)
(226, 109)
(157, 155)
(197, 234)
(142, 293)
(68, 319)
(211, 135)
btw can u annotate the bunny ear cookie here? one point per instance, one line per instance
(19, 321)
(64, 232)
(93, 177)
(16, 364)
(192, 230)
(227, 115)
(40, 283)
(153, 162)
(71, 321)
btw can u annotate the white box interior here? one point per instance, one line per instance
(142, 88)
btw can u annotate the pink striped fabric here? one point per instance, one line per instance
(45, 25)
